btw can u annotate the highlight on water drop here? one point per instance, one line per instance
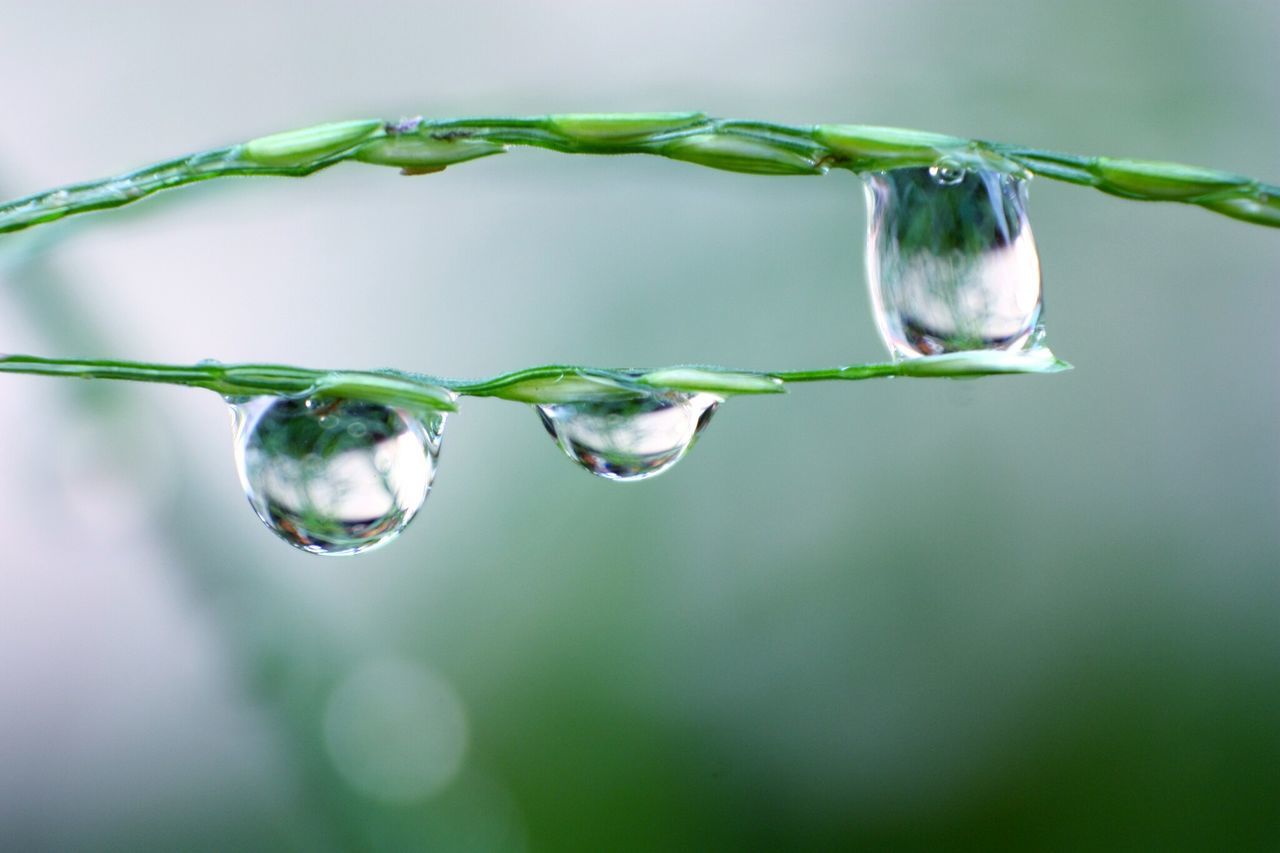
(334, 476)
(951, 260)
(629, 439)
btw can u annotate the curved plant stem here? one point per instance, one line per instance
(420, 146)
(546, 384)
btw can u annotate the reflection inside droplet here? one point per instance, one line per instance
(951, 261)
(333, 476)
(629, 439)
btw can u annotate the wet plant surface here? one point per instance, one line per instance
(951, 262)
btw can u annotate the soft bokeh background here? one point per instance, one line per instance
(1031, 613)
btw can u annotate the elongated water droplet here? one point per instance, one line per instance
(951, 260)
(629, 439)
(334, 476)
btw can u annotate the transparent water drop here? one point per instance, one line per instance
(952, 266)
(947, 172)
(629, 439)
(334, 476)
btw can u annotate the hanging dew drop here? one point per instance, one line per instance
(334, 476)
(629, 439)
(951, 260)
(947, 172)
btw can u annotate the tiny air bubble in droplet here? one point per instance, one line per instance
(334, 476)
(952, 265)
(629, 439)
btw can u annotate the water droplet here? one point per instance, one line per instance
(947, 172)
(334, 476)
(952, 267)
(629, 439)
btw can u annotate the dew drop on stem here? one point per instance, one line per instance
(951, 260)
(947, 172)
(334, 476)
(629, 439)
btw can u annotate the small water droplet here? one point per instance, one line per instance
(952, 267)
(947, 172)
(334, 476)
(629, 439)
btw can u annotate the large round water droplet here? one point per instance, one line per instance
(629, 439)
(952, 264)
(333, 476)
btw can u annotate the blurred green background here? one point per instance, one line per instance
(1016, 613)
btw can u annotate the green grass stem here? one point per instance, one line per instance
(420, 146)
(546, 384)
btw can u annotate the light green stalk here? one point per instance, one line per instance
(547, 384)
(420, 146)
